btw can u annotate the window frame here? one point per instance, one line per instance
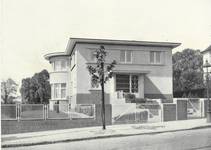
(125, 60)
(130, 83)
(58, 87)
(155, 54)
(57, 65)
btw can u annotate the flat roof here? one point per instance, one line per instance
(56, 54)
(73, 41)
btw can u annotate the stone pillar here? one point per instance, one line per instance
(182, 110)
(141, 85)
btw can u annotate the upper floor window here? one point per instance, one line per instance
(60, 65)
(63, 65)
(125, 56)
(155, 57)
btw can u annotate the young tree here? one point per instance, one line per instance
(100, 75)
(8, 91)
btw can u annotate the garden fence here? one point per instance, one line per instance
(21, 112)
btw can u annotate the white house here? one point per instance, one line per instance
(143, 68)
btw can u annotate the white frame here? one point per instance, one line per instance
(59, 63)
(32, 118)
(59, 96)
(16, 111)
(125, 56)
(130, 83)
(154, 57)
(56, 118)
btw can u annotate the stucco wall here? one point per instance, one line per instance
(61, 76)
(157, 83)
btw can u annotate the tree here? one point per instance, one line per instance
(8, 91)
(100, 75)
(187, 70)
(36, 89)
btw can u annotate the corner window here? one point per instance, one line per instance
(56, 90)
(56, 65)
(63, 90)
(155, 57)
(125, 56)
(59, 91)
(127, 83)
(63, 65)
(60, 65)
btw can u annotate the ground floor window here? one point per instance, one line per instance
(127, 83)
(58, 90)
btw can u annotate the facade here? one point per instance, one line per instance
(143, 68)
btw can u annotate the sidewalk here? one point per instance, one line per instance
(67, 135)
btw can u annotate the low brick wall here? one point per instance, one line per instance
(11, 127)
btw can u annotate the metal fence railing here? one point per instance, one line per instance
(45, 112)
(58, 111)
(32, 111)
(9, 112)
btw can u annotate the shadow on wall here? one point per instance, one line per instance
(151, 91)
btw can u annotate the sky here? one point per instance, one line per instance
(33, 28)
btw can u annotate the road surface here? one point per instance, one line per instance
(199, 139)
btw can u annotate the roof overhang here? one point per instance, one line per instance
(50, 55)
(131, 71)
(73, 41)
(208, 49)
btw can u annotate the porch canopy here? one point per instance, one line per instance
(131, 71)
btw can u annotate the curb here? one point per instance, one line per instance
(99, 137)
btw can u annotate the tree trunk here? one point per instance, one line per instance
(103, 98)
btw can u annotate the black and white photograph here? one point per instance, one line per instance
(105, 74)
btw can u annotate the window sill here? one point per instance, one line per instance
(156, 64)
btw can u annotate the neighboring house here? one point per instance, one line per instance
(207, 57)
(143, 68)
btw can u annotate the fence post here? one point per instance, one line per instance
(45, 111)
(18, 112)
(69, 111)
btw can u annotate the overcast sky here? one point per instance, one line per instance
(32, 28)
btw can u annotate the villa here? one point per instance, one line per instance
(143, 68)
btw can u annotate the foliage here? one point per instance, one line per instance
(36, 89)
(8, 91)
(97, 72)
(187, 70)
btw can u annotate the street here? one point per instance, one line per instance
(199, 139)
